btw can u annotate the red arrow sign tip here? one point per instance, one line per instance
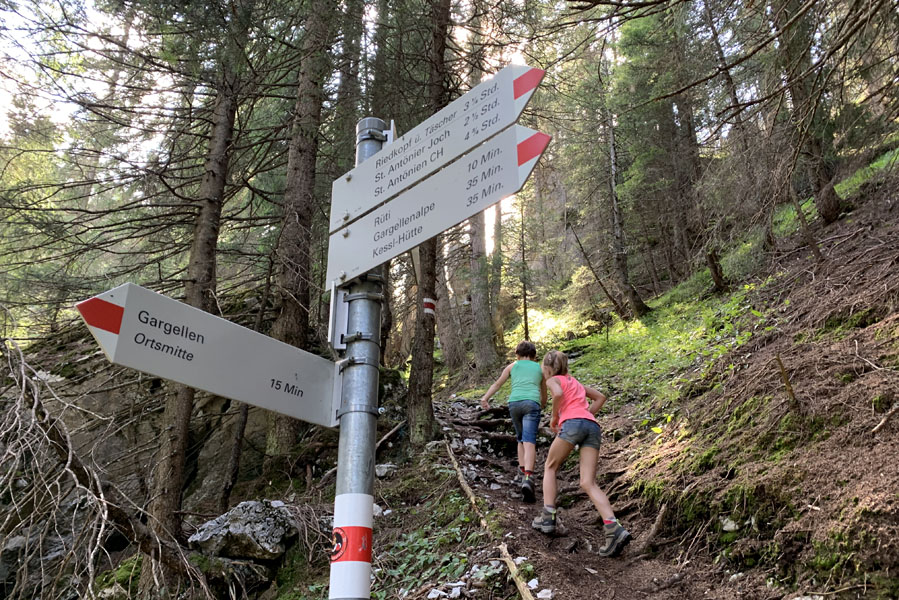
(101, 314)
(532, 147)
(527, 82)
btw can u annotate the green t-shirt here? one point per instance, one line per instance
(526, 377)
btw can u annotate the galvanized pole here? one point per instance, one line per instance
(354, 499)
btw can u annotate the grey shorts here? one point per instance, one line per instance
(581, 432)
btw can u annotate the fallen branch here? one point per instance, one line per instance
(465, 487)
(654, 531)
(886, 417)
(513, 571)
(483, 423)
(504, 551)
(386, 437)
(794, 403)
(389, 435)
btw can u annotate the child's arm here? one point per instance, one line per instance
(495, 387)
(542, 394)
(556, 390)
(598, 399)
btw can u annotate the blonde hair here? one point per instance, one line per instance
(556, 362)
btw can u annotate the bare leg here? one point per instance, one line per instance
(588, 460)
(530, 456)
(521, 455)
(558, 452)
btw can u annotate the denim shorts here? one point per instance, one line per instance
(525, 419)
(581, 432)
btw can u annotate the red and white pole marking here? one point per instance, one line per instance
(351, 552)
(429, 305)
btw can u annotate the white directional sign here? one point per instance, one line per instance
(485, 110)
(494, 170)
(141, 329)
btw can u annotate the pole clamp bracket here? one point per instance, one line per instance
(358, 336)
(356, 408)
(372, 276)
(357, 360)
(364, 296)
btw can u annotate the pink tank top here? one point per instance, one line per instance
(574, 400)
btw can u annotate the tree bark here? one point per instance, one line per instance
(448, 326)
(420, 410)
(619, 252)
(485, 356)
(796, 42)
(158, 580)
(294, 257)
(496, 279)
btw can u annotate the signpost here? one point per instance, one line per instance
(138, 328)
(471, 119)
(481, 178)
(390, 203)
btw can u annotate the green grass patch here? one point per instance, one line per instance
(850, 186)
(786, 221)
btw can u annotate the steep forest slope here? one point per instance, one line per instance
(768, 472)
(749, 444)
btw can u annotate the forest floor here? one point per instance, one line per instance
(775, 475)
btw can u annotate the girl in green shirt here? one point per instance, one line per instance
(526, 401)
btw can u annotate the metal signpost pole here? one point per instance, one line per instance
(354, 500)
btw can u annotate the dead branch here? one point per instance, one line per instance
(504, 551)
(513, 571)
(483, 424)
(886, 417)
(654, 531)
(387, 436)
(794, 403)
(30, 436)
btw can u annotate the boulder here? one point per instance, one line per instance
(252, 529)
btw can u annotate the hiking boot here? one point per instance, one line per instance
(617, 537)
(527, 490)
(545, 521)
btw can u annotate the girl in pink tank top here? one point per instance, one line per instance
(573, 404)
(574, 422)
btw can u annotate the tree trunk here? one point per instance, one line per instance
(496, 278)
(420, 410)
(240, 423)
(448, 327)
(619, 308)
(796, 42)
(714, 263)
(379, 107)
(637, 307)
(485, 356)
(294, 258)
(157, 580)
(524, 277)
